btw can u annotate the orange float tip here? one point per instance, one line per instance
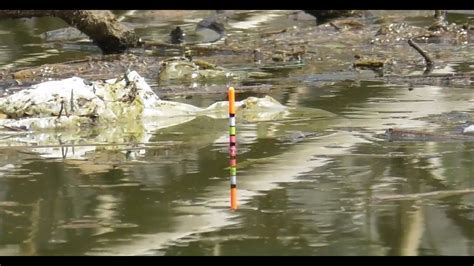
(231, 100)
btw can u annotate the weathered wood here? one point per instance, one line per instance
(100, 25)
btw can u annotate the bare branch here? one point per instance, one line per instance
(428, 60)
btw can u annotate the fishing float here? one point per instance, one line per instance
(232, 150)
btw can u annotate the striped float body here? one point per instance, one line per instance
(232, 150)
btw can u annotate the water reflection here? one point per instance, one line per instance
(167, 192)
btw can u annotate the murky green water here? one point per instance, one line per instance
(313, 197)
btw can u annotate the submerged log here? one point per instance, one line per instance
(424, 196)
(394, 134)
(100, 25)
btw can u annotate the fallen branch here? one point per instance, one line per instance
(100, 25)
(428, 60)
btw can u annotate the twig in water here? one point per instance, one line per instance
(429, 61)
(257, 56)
(72, 101)
(62, 108)
(21, 128)
(335, 26)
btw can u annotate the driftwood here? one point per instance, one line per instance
(100, 25)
